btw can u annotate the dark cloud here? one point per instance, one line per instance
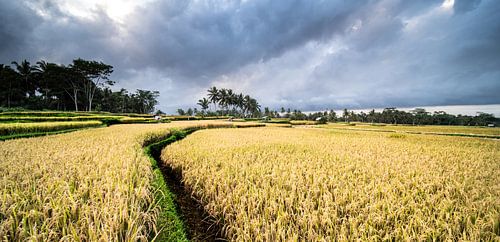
(40, 29)
(214, 38)
(17, 24)
(300, 54)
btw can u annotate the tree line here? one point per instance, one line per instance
(417, 116)
(220, 102)
(226, 102)
(82, 85)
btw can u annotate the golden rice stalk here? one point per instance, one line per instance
(275, 184)
(90, 185)
(18, 128)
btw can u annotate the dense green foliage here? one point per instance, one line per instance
(417, 116)
(82, 85)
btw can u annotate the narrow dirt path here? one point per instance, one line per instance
(199, 224)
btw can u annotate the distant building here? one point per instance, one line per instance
(491, 125)
(157, 117)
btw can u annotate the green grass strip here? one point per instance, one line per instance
(169, 223)
(37, 134)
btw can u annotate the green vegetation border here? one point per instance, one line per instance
(37, 134)
(170, 224)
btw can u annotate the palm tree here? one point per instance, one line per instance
(204, 103)
(230, 99)
(246, 104)
(240, 102)
(346, 115)
(223, 98)
(25, 70)
(232, 103)
(42, 68)
(41, 65)
(254, 107)
(213, 96)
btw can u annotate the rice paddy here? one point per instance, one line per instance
(275, 184)
(19, 128)
(421, 129)
(90, 185)
(260, 183)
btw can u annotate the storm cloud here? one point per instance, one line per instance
(303, 54)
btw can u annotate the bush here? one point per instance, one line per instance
(110, 121)
(278, 121)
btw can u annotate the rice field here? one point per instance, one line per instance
(88, 185)
(299, 184)
(132, 120)
(424, 129)
(20, 128)
(262, 183)
(303, 122)
(54, 118)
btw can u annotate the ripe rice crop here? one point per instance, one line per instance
(19, 128)
(89, 185)
(275, 184)
(54, 119)
(279, 125)
(430, 129)
(248, 125)
(279, 121)
(131, 120)
(185, 117)
(44, 114)
(303, 122)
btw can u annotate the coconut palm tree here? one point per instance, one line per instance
(213, 96)
(26, 70)
(229, 99)
(240, 102)
(204, 103)
(253, 107)
(223, 100)
(42, 68)
(246, 104)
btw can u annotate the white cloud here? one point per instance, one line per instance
(448, 4)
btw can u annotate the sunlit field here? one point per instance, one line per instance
(281, 184)
(437, 129)
(90, 185)
(17, 128)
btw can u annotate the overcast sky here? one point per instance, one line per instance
(307, 54)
